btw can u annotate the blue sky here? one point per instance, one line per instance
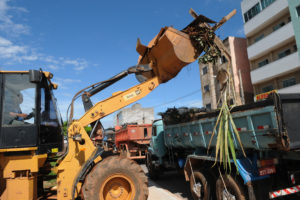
(83, 42)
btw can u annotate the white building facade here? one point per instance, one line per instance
(272, 48)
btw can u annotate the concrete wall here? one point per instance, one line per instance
(271, 42)
(295, 20)
(277, 83)
(272, 13)
(134, 114)
(241, 63)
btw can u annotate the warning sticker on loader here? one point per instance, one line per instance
(131, 95)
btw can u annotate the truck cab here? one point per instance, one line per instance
(157, 143)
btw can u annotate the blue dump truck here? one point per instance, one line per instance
(270, 134)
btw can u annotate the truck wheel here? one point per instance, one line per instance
(234, 189)
(116, 178)
(201, 189)
(152, 171)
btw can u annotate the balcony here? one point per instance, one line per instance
(276, 68)
(266, 16)
(291, 89)
(278, 38)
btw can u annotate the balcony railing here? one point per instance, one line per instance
(275, 69)
(271, 42)
(265, 16)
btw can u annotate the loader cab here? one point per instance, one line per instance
(29, 116)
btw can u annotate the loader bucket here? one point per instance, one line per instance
(167, 53)
(171, 50)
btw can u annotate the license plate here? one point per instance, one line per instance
(267, 170)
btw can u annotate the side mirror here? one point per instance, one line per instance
(35, 76)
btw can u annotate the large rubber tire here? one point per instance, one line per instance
(204, 193)
(153, 173)
(233, 187)
(116, 178)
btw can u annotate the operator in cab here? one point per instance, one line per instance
(17, 114)
(14, 114)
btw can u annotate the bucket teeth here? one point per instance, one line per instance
(140, 48)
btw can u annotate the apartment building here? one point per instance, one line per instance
(272, 29)
(239, 69)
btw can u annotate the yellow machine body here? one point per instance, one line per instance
(79, 154)
(19, 173)
(20, 167)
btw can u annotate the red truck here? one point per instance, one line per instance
(132, 140)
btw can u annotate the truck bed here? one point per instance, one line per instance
(272, 124)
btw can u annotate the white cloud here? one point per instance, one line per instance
(53, 67)
(7, 25)
(240, 32)
(67, 80)
(80, 68)
(11, 53)
(71, 62)
(31, 57)
(64, 83)
(49, 59)
(80, 64)
(5, 42)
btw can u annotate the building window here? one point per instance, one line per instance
(289, 82)
(204, 70)
(208, 106)
(278, 26)
(267, 88)
(259, 38)
(298, 10)
(145, 132)
(223, 59)
(252, 12)
(264, 62)
(266, 3)
(295, 47)
(206, 88)
(284, 53)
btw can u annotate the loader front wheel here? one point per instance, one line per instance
(116, 178)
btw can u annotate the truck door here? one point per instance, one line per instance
(157, 141)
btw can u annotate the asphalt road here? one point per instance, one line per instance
(170, 186)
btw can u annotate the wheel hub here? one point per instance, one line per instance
(228, 196)
(116, 190)
(197, 189)
(117, 187)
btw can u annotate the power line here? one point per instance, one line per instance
(182, 97)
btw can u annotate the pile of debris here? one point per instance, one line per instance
(202, 37)
(181, 115)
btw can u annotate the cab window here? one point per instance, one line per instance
(19, 100)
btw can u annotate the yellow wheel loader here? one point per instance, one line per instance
(31, 127)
